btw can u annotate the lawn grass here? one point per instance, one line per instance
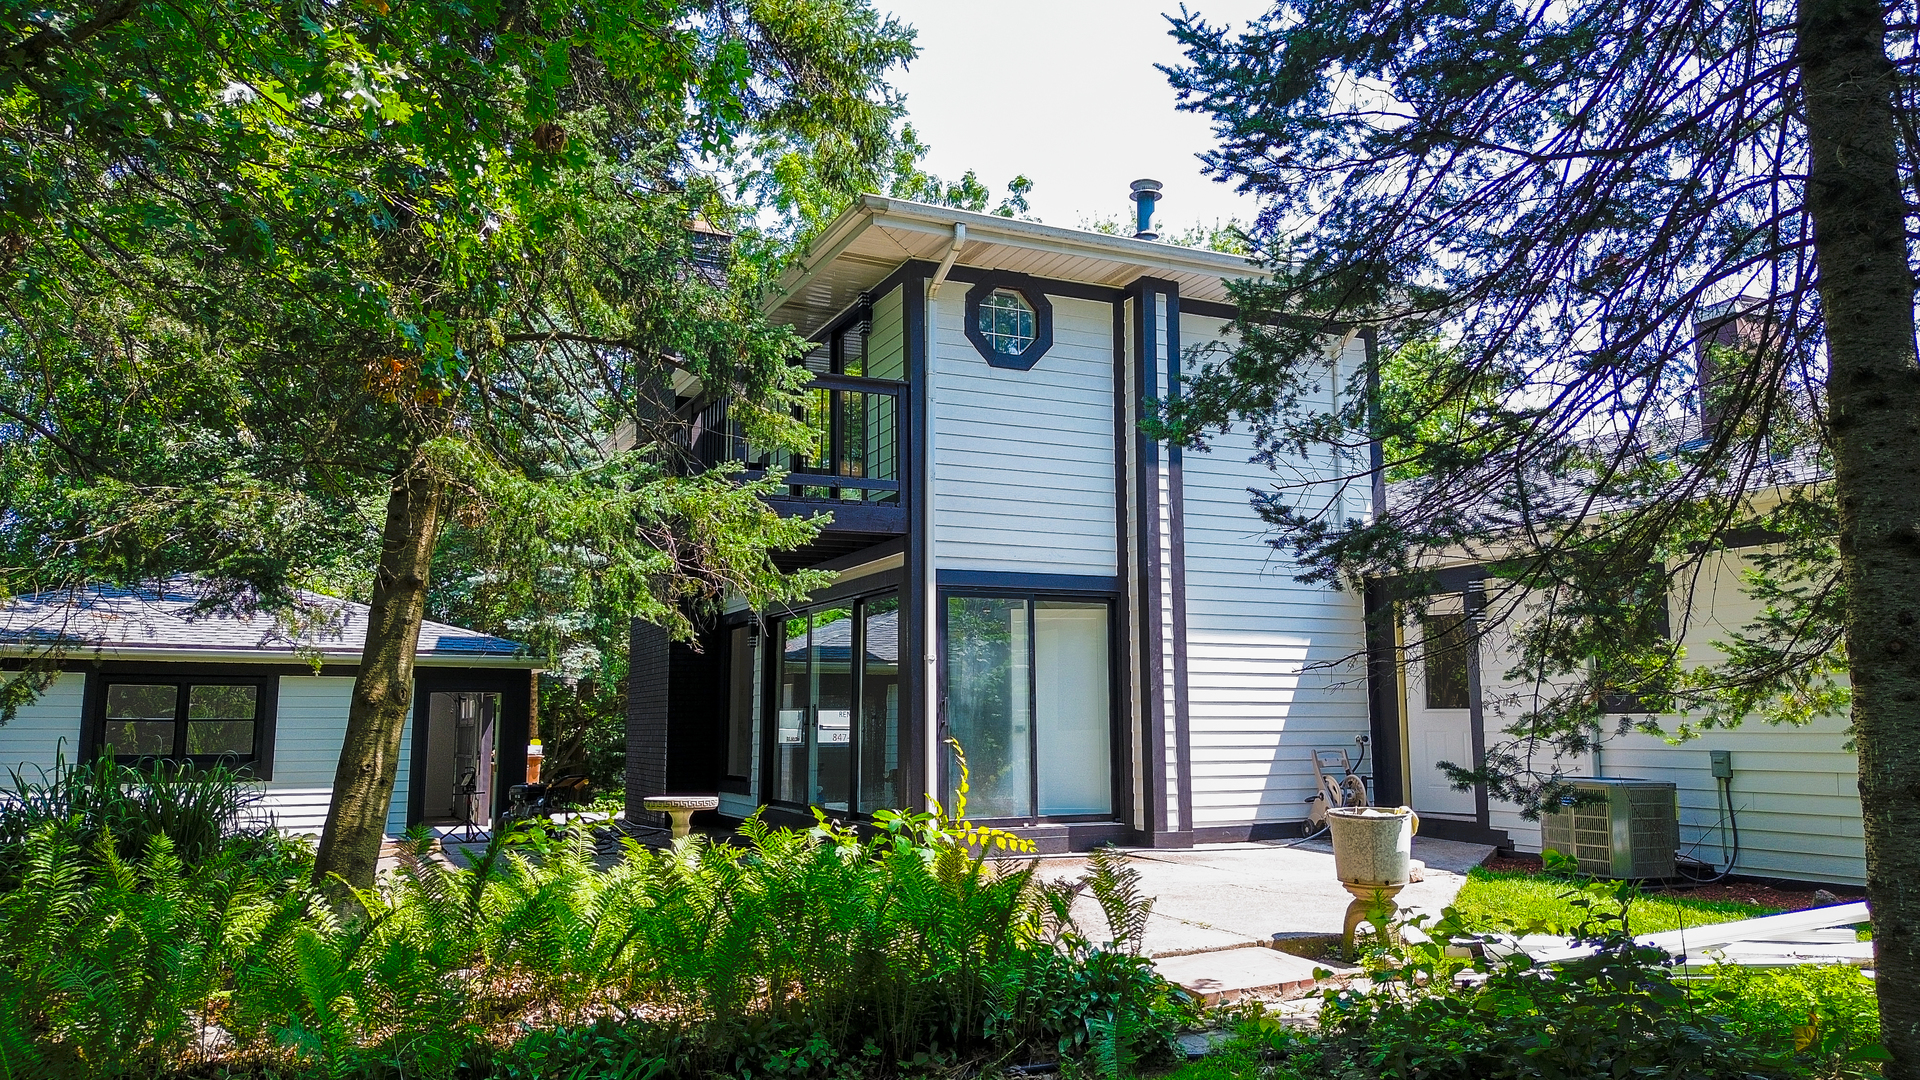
(1497, 899)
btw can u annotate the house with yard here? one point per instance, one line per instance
(1091, 614)
(144, 675)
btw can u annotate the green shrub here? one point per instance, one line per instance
(801, 954)
(111, 966)
(1828, 1014)
(1619, 1011)
(199, 809)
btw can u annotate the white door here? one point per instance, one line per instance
(1439, 716)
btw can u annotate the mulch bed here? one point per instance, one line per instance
(1784, 895)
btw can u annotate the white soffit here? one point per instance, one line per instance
(868, 242)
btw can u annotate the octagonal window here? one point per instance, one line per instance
(1007, 322)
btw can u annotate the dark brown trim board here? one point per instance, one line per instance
(1125, 752)
(1152, 672)
(1177, 523)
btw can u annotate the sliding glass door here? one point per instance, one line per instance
(837, 720)
(1027, 696)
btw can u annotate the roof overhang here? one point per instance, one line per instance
(860, 248)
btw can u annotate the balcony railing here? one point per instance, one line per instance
(853, 453)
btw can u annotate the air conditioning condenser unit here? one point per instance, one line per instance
(1626, 829)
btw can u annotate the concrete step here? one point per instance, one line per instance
(1231, 974)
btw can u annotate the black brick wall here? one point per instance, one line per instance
(676, 717)
(647, 671)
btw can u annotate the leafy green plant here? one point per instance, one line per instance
(199, 809)
(815, 953)
(1619, 1010)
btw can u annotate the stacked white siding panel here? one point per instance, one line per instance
(1268, 675)
(1024, 473)
(1795, 789)
(306, 751)
(46, 728)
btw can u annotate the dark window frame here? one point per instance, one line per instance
(1035, 297)
(1115, 735)
(773, 639)
(257, 766)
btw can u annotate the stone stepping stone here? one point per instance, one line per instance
(1231, 974)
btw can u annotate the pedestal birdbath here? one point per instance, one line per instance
(681, 809)
(1372, 857)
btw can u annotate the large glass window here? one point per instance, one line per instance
(794, 711)
(1027, 696)
(879, 734)
(830, 767)
(185, 719)
(837, 725)
(1070, 700)
(741, 658)
(988, 704)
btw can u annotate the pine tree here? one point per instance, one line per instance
(1567, 196)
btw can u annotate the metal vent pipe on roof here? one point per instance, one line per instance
(1145, 194)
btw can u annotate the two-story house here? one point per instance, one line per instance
(1092, 614)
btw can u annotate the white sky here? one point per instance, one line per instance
(1064, 91)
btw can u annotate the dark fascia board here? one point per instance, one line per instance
(489, 675)
(1094, 584)
(847, 516)
(1036, 299)
(1074, 290)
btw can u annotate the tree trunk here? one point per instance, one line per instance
(1867, 290)
(370, 752)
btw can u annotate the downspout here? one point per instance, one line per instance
(929, 585)
(946, 266)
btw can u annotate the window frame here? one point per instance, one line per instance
(257, 766)
(774, 641)
(1117, 763)
(1036, 299)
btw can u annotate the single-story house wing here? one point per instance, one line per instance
(144, 674)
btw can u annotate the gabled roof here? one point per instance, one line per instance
(857, 250)
(161, 624)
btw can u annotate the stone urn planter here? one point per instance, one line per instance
(1373, 858)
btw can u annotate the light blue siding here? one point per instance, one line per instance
(306, 752)
(46, 728)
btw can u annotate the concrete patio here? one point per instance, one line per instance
(1228, 896)
(1224, 914)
